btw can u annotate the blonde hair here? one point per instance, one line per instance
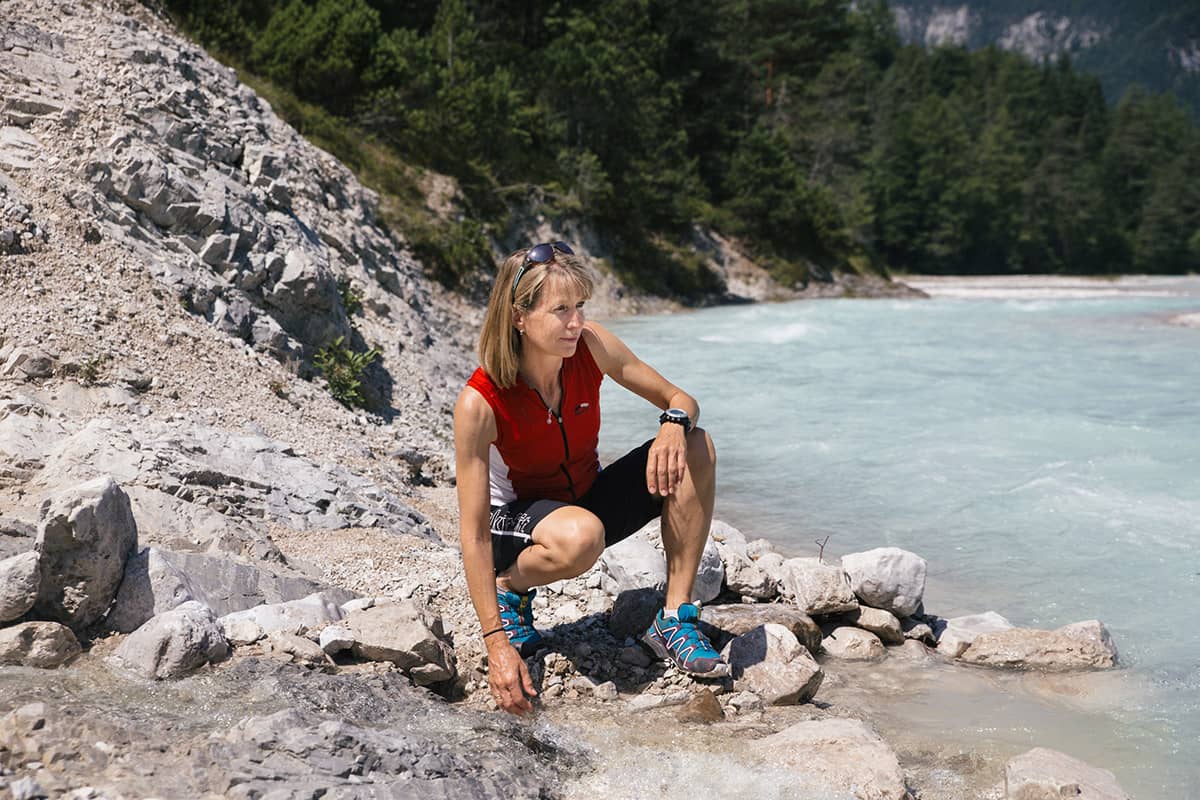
(499, 344)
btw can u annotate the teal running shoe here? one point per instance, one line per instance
(516, 615)
(679, 640)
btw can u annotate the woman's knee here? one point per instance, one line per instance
(576, 538)
(701, 453)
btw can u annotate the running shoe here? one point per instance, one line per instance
(516, 615)
(679, 640)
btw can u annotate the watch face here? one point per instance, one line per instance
(675, 413)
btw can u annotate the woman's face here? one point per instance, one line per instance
(555, 324)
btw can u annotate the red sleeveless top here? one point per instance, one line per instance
(537, 454)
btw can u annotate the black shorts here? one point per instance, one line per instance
(618, 496)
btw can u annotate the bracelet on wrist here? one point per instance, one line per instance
(493, 630)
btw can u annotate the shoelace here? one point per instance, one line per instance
(692, 636)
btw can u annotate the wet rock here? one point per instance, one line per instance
(887, 578)
(44, 645)
(308, 613)
(172, 644)
(407, 635)
(836, 755)
(703, 708)
(647, 702)
(917, 628)
(19, 579)
(1044, 774)
(957, 633)
(817, 588)
(1080, 646)
(723, 622)
(157, 580)
(85, 536)
(879, 622)
(770, 662)
(853, 644)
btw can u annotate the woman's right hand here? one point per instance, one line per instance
(508, 677)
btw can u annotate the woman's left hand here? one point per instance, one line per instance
(667, 461)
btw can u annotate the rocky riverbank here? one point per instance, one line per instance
(218, 581)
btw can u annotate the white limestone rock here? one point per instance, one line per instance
(406, 634)
(172, 644)
(711, 575)
(308, 613)
(770, 662)
(879, 622)
(44, 645)
(1079, 646)
(835, 755)
(817, 588)
(887, 578)
(85, 536)
(19, 579)
(1044, 774)
(632, 564)
(958, 632)
(853, 644)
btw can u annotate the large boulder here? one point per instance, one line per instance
(44, 645)
(1043, 774)
(770, 662)
(835, 755)
(853, 644)
(85, 536)
(1080, 646)
(173, 643)
(158, 580)
(816, 587)
(723, 622)
(308, 613)
(633, 612)
(19, 579)
(956, 634)
(887, 578)
(406, 634)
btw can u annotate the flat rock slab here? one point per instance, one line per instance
(722, 622)
(770, 662)
(956, 634)
(836, 755)
(157, 580)
(816, 587)
(44, 645)
(1080, 646)
(887, 578)
(294, 616)
(1044, 774)
(172, 644)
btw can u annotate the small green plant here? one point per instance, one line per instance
(90, 371)
(351, 300)
(343, 370)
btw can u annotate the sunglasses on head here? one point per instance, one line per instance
(539, 254)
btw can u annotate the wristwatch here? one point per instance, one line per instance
(677, 416)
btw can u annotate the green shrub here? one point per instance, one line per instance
(351, 300)
(343, 370)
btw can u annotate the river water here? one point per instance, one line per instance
(1038, 442)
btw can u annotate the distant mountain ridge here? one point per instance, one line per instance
(1154, 43)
